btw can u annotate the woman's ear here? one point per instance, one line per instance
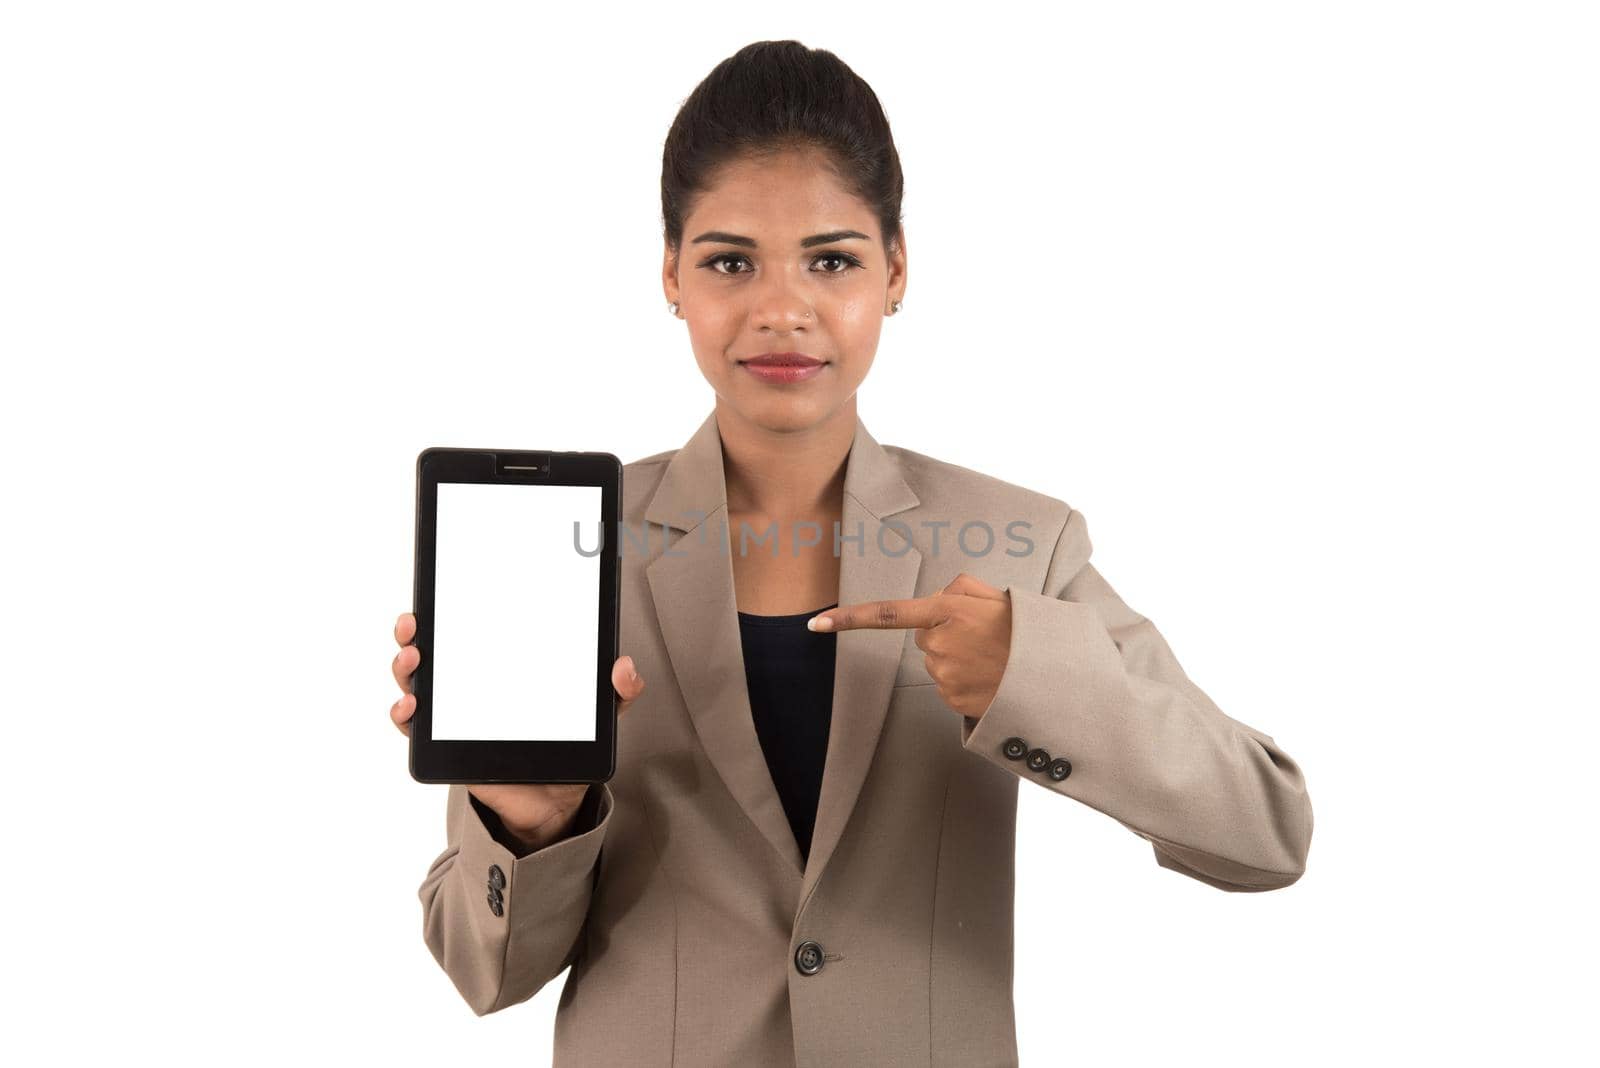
(669, 272)
(897, 268)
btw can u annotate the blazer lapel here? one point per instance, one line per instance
(691, 584)
(882, 566)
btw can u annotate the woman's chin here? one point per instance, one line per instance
(783, 413)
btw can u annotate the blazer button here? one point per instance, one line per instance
(1014, 748)
(1060, 768)
(808, 958)
(496, 902)
(497, 878)
(1038, 759)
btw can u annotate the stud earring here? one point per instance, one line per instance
(673, 307)
(894, 308)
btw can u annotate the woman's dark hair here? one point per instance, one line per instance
(771, 96)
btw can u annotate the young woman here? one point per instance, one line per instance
(806, 853)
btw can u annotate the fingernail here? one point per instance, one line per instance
(633, 675)
(822, 623)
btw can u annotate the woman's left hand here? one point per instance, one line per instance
(964, 630)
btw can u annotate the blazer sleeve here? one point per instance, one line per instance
(1092, 681)
(499, 960)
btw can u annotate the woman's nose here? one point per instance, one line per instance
(781, 301)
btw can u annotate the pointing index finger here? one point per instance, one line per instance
(883, 615)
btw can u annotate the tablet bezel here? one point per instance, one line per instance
(515, 761)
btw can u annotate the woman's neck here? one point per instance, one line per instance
(785, 474)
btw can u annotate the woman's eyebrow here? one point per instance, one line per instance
(722, 237)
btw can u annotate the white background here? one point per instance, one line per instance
(1295, 302)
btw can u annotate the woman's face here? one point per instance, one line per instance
(752, 278)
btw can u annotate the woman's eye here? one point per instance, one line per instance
(847, 260)
(726, 258)
(715, 262)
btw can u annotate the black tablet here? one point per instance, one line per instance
(516, 599)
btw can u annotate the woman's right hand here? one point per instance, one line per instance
(536, 814)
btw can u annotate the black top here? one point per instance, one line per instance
(788, 671)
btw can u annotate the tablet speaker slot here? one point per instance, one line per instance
(522, 463)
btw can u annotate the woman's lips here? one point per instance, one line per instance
(783, 367)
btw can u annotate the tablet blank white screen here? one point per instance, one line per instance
(516, 612)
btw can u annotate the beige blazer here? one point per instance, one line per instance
(695, 935)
